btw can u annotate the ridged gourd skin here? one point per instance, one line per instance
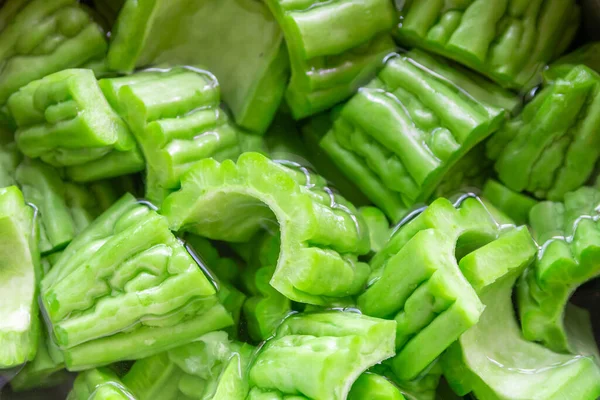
(569, 239)
(430, 275)
(320, 355)
(321, 233)
(20, 261)
(128, 271)
(510, 41)
(551, 147)
(401, 134)
(40, 37)
(176, 117)
(327, 69)
(64, 120)
(250, 61)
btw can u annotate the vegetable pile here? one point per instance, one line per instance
(298, 199)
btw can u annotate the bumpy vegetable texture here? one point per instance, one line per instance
(321, 233)
(47, 368)
(19, 258)
(210, 367)
(552, 146)
(509, 41)
(429, 274)
(225, 272)
(10, 157)
(40, 37)
(570, 255)
(126, 288)
(250, 61)
(65, 120)
(399, 135)
(319, 355)
(328, 68)
(494, 361)
(176, 118)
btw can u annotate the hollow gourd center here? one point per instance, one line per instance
(470, 241)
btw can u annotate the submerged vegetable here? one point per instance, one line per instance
(509, 41)
(569, 256)
(320, 355)
(494, 361)
(321, 233)
(176, 118)
(40, 37)
(334, 47)
(429, 274)
(552, 146)
(239, 41)
(65, 120)
(399, 135)
(126, 288)
(19, 265)
(210, 367)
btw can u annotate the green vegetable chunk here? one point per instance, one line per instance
(515, 205)
(510, 41)
(126, 288)
(175, 116)
(9, 160)
(428, 275)
(569, 236)
(65, 120)
(238, 40)
(19, 265)
(210, 367)
(266, 308)
(400, 134)
(379, 227)
(552, 146)
(321, 233)
(320, 355)
(40, 37)
(334, 47)
(99, 384)
(47, 368)
(494, 361)
(226, 273)
(374, 387)
(588, 55)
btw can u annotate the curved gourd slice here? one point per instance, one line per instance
(321, 233)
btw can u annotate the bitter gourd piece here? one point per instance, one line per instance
(321, 233)
(509, 41)
(65, 120)
(399, 135)
(126, 288)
